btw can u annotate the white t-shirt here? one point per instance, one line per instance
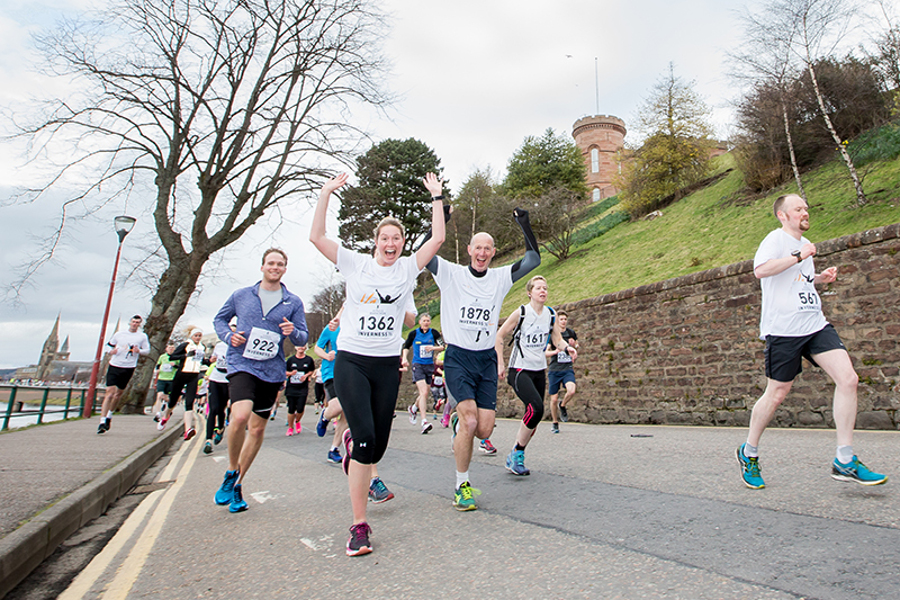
(193, 362)
(531, 340)
(220, 352)
(470, 306)
(377, 299)
(790, 303)
(124, 358)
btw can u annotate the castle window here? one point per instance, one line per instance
(595, 160)
(596, 195)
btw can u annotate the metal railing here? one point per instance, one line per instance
(40, 394)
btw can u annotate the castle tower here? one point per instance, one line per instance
(63, 353)
(48, 352)
(599, 138)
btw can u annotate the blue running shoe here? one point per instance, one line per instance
(856, 471)
(237, 501)
(515, 463)
(226, 492)
(749, 469)
(321, 425)
(378, 492)
(335, 457)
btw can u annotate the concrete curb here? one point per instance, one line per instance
(25, 549)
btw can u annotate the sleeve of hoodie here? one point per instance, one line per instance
(300, 335)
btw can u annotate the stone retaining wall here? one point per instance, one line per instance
(687, 351)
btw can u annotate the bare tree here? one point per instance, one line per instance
(224, 107)
(818, 27)
(765, 58)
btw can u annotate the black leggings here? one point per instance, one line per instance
(529, 387)
(188, 381)
(218, 400)
(367, 387)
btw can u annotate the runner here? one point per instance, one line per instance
(471, 299)
(266, 314)
(218, 396)
(561, 372)
(793, 326)
(424, 342)
(190, 356)
(127, 348)
(300, 368)
(326, 349)
(532, 326)
(164, 373)
(366, 378)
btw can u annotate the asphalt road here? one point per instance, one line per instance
(604, 514)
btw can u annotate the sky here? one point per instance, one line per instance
(473, 79)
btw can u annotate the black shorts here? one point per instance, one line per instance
(164, 387)
(118, 376)
(296, 399)
(422, 371)
(784, 354)
(329, 389)
(244, 386)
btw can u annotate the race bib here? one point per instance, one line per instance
(376, 324)
(166, 368)
(563, 357)
(423, 353)
(262, 344)
(297, 378)
(474, 318)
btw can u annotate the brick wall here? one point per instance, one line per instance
(687, 350)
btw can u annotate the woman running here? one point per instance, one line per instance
(531, 325)
(369, 342)
(190, 356)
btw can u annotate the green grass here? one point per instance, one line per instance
(718, 225)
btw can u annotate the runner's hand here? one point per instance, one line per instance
(287, 328)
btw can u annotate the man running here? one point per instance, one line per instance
(793, 326)
(471, 299)
(127, 348)
(561, 372)
(266, 314)
(425, 343)
(164, 373)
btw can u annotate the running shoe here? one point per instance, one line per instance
(412, 413)
(563, 414)
(345, 463)
(487, 447)
(554, 428)
(515, 463)
(297, 428)
(426, 427)
(750, 469)
(108, 424)
(378, 492)
(102, 428)
(464, 497)
(156, 417)
(359, 543)
(335, 456)
(162, 423)
(217, 436)
(856, 471)
(237, 501)
(321, 425)
(445, 421)
(189, 434)
(225, 494)
(290, 432)
(207, 447)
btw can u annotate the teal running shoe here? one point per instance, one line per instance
(515, 463)
(237, 501)
(226, 492)
(856, 471)
(378, 492)
(464, 497)
(749, 470)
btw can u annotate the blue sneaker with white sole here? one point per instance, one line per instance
(225, 494)
(749, 469)
(855, 471)
(237, 501)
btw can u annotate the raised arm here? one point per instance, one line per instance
(427, 250)
(432, 265)
(328, 248)
(532, 257)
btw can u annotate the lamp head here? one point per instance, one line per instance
(124, 224)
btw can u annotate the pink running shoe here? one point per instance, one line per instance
(297, 427)
(290, 431)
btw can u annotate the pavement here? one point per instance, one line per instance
(607, 512)
(58, 476)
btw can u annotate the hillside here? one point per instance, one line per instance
(712, 227)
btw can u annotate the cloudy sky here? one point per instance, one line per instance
(474, 78)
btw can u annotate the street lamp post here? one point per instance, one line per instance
(123, 225)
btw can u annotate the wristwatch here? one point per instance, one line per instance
(796, 253)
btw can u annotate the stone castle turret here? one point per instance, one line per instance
(599, 138)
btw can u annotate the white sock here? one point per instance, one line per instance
(844, 454)
(461, 478)
(751, 451)
(109, 415)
